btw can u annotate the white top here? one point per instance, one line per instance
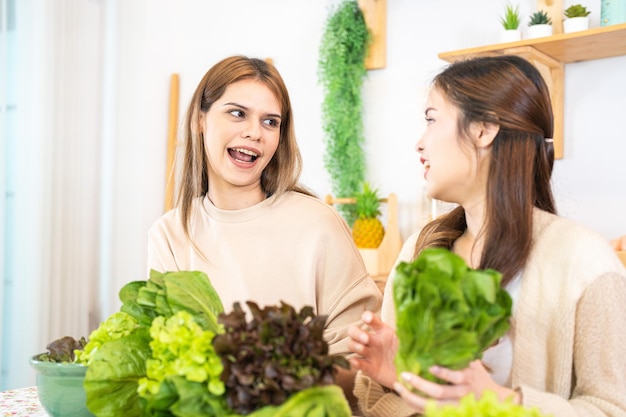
(499, 357)
(572, 295)
(293, 248)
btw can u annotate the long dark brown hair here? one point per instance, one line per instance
(283, 171)
(507, 91)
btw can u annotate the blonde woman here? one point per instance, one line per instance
(242, 217)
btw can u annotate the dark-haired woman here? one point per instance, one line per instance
(488, 148)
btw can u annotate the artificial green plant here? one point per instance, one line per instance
(576, 10)
(540, 18)
(341, 72)
(511, 18)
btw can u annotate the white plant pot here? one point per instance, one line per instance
(539, 31)
(511, 35)
(576, 24)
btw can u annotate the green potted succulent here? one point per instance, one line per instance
(510, 23)
(539, 25)
(576, 18)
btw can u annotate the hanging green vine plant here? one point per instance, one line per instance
(341, 72)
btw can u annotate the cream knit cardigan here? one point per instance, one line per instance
(568, 329)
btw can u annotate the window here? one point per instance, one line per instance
(8, 109)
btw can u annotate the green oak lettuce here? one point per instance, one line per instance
(446, 312)
(487, 406)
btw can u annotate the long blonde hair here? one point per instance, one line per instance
(283, 171)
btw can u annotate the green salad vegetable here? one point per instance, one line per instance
(115, 327)
(132, 372)
(169, 352)
(317, 401)
(487, 406)
(446, 312)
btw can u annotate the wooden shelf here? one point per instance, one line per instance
(596, 43)
(550, 54)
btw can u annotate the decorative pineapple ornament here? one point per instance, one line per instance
(367, 231)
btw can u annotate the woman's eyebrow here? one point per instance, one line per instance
(232, 103)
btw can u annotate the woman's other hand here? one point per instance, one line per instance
(376, 345)
(474, 379)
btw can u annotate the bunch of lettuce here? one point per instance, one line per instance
(155, 356)
(447, 314)
(158, 356)
(487, 406)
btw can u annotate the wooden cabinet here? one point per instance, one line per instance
(550, 54)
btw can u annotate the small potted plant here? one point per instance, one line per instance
(60, 377)
(576, 18)
(539, 25)
(510, 22)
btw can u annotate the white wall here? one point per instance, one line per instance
(159, 37)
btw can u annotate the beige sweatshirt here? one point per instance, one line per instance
(568, 328)
(294, 248)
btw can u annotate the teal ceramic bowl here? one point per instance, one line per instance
(60, 388)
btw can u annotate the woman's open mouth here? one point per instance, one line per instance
(242, 155)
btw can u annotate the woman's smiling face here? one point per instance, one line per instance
(241, 134)
(449, 160)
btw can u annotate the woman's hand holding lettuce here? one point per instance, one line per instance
(447, 314)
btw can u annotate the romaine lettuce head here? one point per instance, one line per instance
(447, 314)
(119, 351)
(317, 401)
(113, 374)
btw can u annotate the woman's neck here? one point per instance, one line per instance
(237, 198)
(470, 244)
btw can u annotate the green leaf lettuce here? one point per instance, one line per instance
(446, 312)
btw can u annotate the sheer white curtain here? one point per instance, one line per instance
(51, 265)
